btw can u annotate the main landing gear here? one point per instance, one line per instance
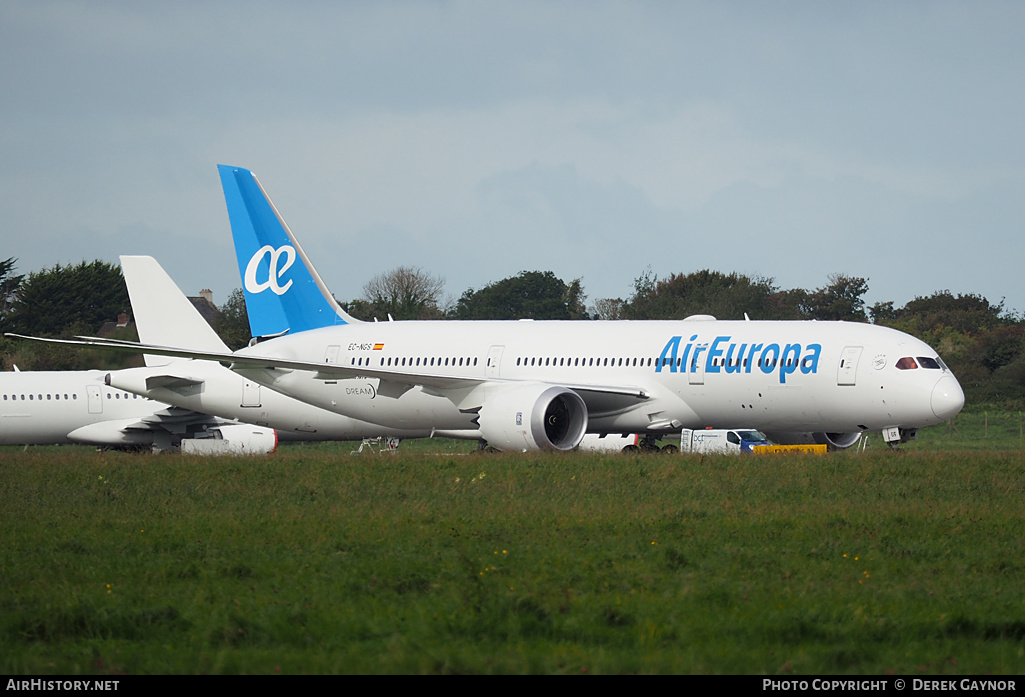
(649, 444)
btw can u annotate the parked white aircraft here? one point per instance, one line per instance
(61, 407)
(526, 385)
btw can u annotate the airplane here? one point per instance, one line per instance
(77, 406)
(528, 385)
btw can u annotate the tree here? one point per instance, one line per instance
(1001, 346)
(528, 295)
(407, 292)
(233, 323)
(964, 313)
(70, 299)
(9, 285)
(726, 296)
(842, 300)
(882, 312)
(787, 304)
(607, 308)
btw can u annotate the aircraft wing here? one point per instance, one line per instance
(393, 382)
(171, 419)
(142, 430)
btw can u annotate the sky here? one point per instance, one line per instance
(476, 140)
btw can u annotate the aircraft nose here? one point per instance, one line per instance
(947, 398)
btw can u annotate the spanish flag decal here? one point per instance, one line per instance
(378, 347)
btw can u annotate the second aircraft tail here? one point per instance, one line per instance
(163, 315)
(283, 291)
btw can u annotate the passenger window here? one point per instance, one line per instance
(906, 363)
(733, 438)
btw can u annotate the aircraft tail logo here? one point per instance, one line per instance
(274, 272)
(267, 254)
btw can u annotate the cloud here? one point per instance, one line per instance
(472, 139)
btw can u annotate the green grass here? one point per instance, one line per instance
(976, 430)
(315, 561)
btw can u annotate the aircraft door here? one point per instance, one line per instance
(95, 399)
(846, 372)
(331, 355)
(696, 368)
(494, 361)
(250, 393)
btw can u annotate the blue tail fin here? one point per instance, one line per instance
(283, 291)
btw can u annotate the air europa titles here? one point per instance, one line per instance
(722, 355)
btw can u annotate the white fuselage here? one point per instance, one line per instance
(774, 376)
(44, 407)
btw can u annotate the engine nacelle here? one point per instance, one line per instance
(232, 439)
(532, 416)
(835, 441)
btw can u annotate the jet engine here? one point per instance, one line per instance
(533, 416)
(232, 439)
(835, 441)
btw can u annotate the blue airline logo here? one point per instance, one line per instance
(723, 356)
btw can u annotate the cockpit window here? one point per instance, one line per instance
(906, 363)
(929, 363)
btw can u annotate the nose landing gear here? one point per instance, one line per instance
(895, 435)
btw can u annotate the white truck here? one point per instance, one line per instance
(721, 440)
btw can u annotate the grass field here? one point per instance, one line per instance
(315, 561)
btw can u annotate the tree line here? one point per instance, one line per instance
(983, 343)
